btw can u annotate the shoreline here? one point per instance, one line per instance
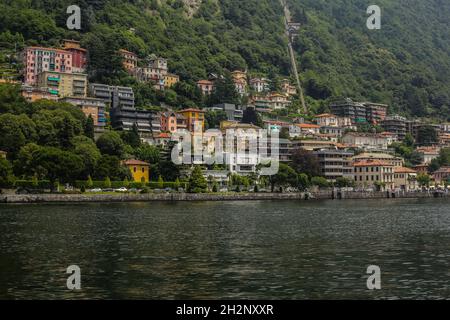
(180, 197)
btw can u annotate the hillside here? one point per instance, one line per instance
(405, 64)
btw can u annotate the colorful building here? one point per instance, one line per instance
(405, 179)
(442, 176)
(64, 84)
(38, 59)
(96, 108)
(129, 60)
(79, 55)
(194, 117)
(259, 85)
(374, 174)
(140, 170)
(32, 94)
(206, 86)
(170, 80)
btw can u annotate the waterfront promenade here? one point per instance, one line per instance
(128, 197)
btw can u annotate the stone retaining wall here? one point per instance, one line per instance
(42, 198)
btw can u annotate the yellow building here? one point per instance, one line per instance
(140, 170)
(194, 117)
(170, 80)
(2, 154)
(64, 84)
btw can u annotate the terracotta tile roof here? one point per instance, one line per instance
(404, 170)
(308, 126)
(443, 170)
(372, 163)
(163, 135)
(205, 82)
(325, 115)
(191, 110)
(134, 162)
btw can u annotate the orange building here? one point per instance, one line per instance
(130, 60)
(170, 80)
(206, 86)
(193, 117)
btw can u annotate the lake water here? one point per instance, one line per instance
(227, 250)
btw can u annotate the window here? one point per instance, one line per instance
(135, 169)
(143, 169)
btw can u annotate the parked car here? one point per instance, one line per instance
(95, 190)
(123, 189)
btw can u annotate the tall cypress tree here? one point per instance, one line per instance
(89, 127)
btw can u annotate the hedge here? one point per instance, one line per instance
(41, 184)
(136, 185)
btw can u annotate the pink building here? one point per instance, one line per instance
(37, 60)
(79, 55)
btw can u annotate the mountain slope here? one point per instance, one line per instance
(405, 64)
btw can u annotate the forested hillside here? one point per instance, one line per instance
(406, 64)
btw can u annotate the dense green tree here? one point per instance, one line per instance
(224, 91)
(252, 117)
(197, 183)
(214, 118)
(427, 135)
(15, 132)
(132, 137)
(304, 161)
(110, 166)
(6, 173)
(111, 143)
(320, 182)
(89, 127)
(286, 177)
(11, 100)
(86, 148)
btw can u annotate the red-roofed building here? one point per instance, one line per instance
(405, 179)
(442, 176)
(374, 174)
(206, 86)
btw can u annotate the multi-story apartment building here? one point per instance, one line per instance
(374, 174)
(206, 86)
(303, 130)
(375, 112)
(232, 111)
(79, 55)
(405, 179)
(172, 122)
(396, 125)
(356, 111)
(113, 95)
(384, 157)
(360, 112)
(442, 176)
(129, 60)
(96, 108)
(39, 59)
(428, 154)
(32, 94)
(170, 80)
(193, 117)
(259, 85)
(64, 84)
(278, 101)
(287, 88)
(366, 141)
(335, 164)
